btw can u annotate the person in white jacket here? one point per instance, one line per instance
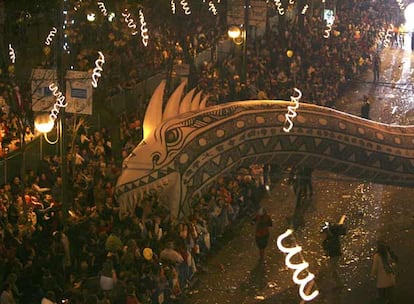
(383, 271)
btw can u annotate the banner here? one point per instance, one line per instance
(257, 13)
(78, 92)
(42, 97)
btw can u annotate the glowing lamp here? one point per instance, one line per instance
(289, 53)
(44, 123)
(234, 32)
(90, 17)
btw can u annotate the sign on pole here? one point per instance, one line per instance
(42, 97)
(78, 92)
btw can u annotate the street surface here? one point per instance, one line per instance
(234, 274)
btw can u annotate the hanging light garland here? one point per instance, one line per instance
(327, 31)
(279, 7)
(144, 29)
(60, 101)
(96, 74)
(12, 54)
(291, 2)
(305, 8)
(186, 7)
(292, 110)
(401, 4)
(131, 23)
(212, 8)
(173, 6)
(305, 283)
(102, 7)
(49, 37)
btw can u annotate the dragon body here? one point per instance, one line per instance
(187, 145)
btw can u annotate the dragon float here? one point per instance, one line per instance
(186, 145)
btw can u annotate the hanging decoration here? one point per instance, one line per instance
(185, 6)
(49, 37)
(96, 74)
(291, 2)
(212, 8)
(305, 283)
(292, 110)
(12, 54)
(327, 31)
(173, 6)
(131, 23)
(102, 7)
(60, 101)
(305, 8)
(279, 7)
(144, 29)
(401, 4)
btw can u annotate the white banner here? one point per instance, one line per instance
(78, 92)
(42, 97)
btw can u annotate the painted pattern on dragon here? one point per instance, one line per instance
(187, 145)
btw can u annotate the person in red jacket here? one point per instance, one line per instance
(263, 222)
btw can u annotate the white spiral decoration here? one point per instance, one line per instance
(60, 101)
(401, 4)
(144, 29)
(186, 7)
(292, 110)
(292, 2)
(173, 6)
(131, 23)
(102, 7)
(96, 74)
(299, 267)
(387, 36)
(327, 31)
(279, 7)
(12, 54)
(49, 37)
(212, 8)
(305, 8)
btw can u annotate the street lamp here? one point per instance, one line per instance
(239, 36)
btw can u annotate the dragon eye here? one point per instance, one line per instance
(172, 136)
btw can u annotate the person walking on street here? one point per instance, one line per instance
(365, 108)
(376, 64)
(383, 271)
(332, 246)
(263, 222)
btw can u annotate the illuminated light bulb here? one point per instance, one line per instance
(173, 6)
(212, 8)
(91, 17)
(12, 54)
(185, 6)
(144, 29)
(60, 101)
(49, 37)
(298, 267)
(130, 22)
(305, 8)
(279, 7)
(96, 74)
(102, 7)
(292, 110)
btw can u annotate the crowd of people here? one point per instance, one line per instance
(82, 250)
